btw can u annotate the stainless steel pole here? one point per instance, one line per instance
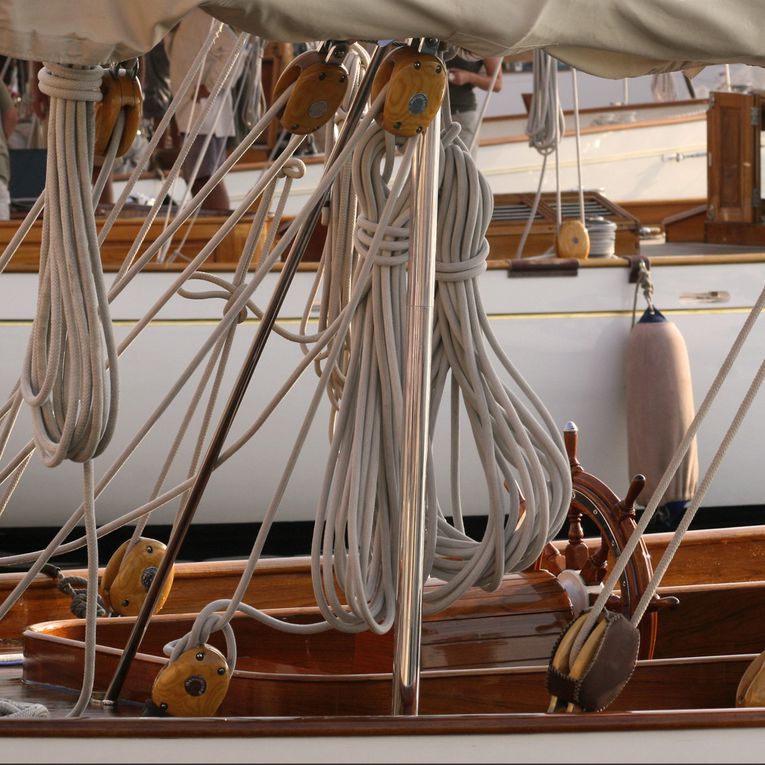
(419, 334)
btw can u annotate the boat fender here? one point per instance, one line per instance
(660, 408)
(602, 668)
(121, 91)
(416, 85)
(320, 88)
(573, 240)
(129, 574)
(751, 687)
(193, 685)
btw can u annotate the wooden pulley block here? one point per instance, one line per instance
(416, 85)
(121, 92)
(573, 240)
(604, 664)
(129, 574)
(320, 88)
(194, 685)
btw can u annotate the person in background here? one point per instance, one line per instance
(8, 118)
(182, 45)
(466, 73)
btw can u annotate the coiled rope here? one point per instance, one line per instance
(520, 448)
(545, 128)
(21, 710)
(65, 380)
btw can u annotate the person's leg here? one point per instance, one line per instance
(217, 199)
(5, 202)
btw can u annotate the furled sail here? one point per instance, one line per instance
(609, 38)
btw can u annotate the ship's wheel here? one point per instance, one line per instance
(615, 522)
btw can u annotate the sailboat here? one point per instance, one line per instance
(532, 485)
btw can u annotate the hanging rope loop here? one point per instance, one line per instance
(69, 377)
(73, 84)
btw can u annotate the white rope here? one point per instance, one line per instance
(65, 381)
(21, 710)
(546, 122)
(56, 546)
(91, 603)
(164, 123)
(520, 448)
(577, 137)
(230, 70)
(545, 127)
(185, 148)
(339, 328)
(484, 105)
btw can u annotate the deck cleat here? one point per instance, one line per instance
(194, 685)
(129, 574)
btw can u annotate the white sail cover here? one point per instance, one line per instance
(609, 38)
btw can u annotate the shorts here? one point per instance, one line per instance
(212, 160)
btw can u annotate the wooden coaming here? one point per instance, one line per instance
(122, 235)
(682, 683)
(517, 624)
(706, 557)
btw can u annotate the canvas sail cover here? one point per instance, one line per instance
(609, 38)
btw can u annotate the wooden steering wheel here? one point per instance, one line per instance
(615, 521)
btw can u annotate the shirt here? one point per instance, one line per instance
(182, 45)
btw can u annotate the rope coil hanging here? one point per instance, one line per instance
(69, 377)
(520, 449)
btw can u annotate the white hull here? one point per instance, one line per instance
(693, 745)
(646, 152)
(566, 335)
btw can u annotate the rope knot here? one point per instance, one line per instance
(450, 133)
(459, 270)
(294, 168)
(394, 248)
(235, 293)
(75, 84)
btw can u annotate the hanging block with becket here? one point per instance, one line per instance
(121, 91)
(591, 680)
(129, 574)
(416, 85)
(320, 87)
(194, 684)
